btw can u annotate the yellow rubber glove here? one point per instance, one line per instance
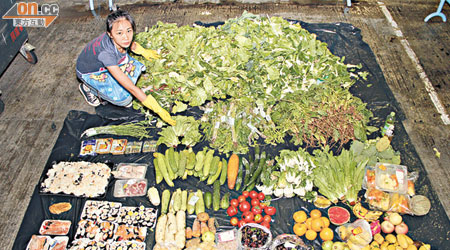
(147, 53)
(152, 104)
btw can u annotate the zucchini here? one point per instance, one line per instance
(213, 178)
(191, 160)
(184, 197)
(199, 160)
(200, 205)
(183, 161)
(177, 200)
(208, 160)
(192, 200)
(168, 166)
(247, 171)
(158, 175)
(208, 200)
(164, 170)
(240, 177)
(223, 175)
(216, 195)
(165, 201)
(171, 159)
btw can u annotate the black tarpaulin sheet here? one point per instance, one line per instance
(343, 40)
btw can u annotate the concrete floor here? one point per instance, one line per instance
(38, 97)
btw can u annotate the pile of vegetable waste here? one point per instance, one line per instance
(256, 79)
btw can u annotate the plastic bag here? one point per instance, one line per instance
(288, 242)
(357, 234)
(399, 203)
(247, 232)
(377, 199)
(412, 177)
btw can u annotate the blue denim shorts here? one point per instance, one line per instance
(105, 86)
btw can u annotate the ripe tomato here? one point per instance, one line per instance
(241, 223)
(255, 202)
(234, 203)
(270, 210)
(262, 205)
(244, 206)
(241, 198)
(234, 221)
(267, 218)
(261, 196)
(253, 194)
(246, 193)
(259, 218)
(256, 210)
(265, 224)
(232, 211)
(248, 216)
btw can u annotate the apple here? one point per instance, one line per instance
(395, 219)
(387, 227)
(338, 245)
(401, 228)
(327, 245)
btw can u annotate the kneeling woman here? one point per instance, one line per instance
(108, 72)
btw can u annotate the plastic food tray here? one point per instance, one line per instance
(130, 187)
(55, 227)
(130, 171)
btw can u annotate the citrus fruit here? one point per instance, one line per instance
(208, 237)
(308, 223)
(315, 213)
(326, 234)
(338, 215)
(300, 229)
(317, 224)
(326, 222)
(300, 216)
(311, 235)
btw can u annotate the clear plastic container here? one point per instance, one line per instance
(256, 231)
(130, 171)
(369, 178)
(227, 240)
(358, 234)
(130, 187)
(391, 178)
(55, 227)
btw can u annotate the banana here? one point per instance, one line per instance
(363, 213)
(378, 238)
(401, 239)
(391, 247)
(374, 244)
(384, 245)
(411, 247)
(409, 240)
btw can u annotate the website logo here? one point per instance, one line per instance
(28, 14)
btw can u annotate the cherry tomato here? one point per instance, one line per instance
(267, 218)
(246, 193)
(259, 218)
(234, 221)
(244, 206)
(255, 202)
(241, 223)
(253, 194)
(248, 216)
(234, 203)
(261, 196)
(232, 211)
(241, 198)
(265, 224)
(270, 210)
(262, 205)
(256, 210)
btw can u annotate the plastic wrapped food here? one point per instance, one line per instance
(103, 146)
(88, 147)
(100, 210)
(288, 242)
(39, 242)
(369, 178)
(357, 234)
(377, 199)
(118, 146)
(127, 233)
(83, 244)
(127, 245)
(130, 188)
(391, 178)
(95, 230)
(227, 240)
(130, 171)
(399, 203)
(55, 227)
(253, 236)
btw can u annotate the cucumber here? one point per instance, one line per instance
(171, 158)
(208, 200)
(225, 201)
(223, 175)
(177, 201)
(168, 166)
(183, 161)
(192, 200)
(214, 165)
(216, 195)
(184, 197)
(165, 198)
(200, 205)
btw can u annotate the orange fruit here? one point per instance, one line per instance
(327, 234)
(326, 221)
(300, 229)
(308, 223)
(300, 216)
(311, 235)
(317, 224)
(315, 213)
